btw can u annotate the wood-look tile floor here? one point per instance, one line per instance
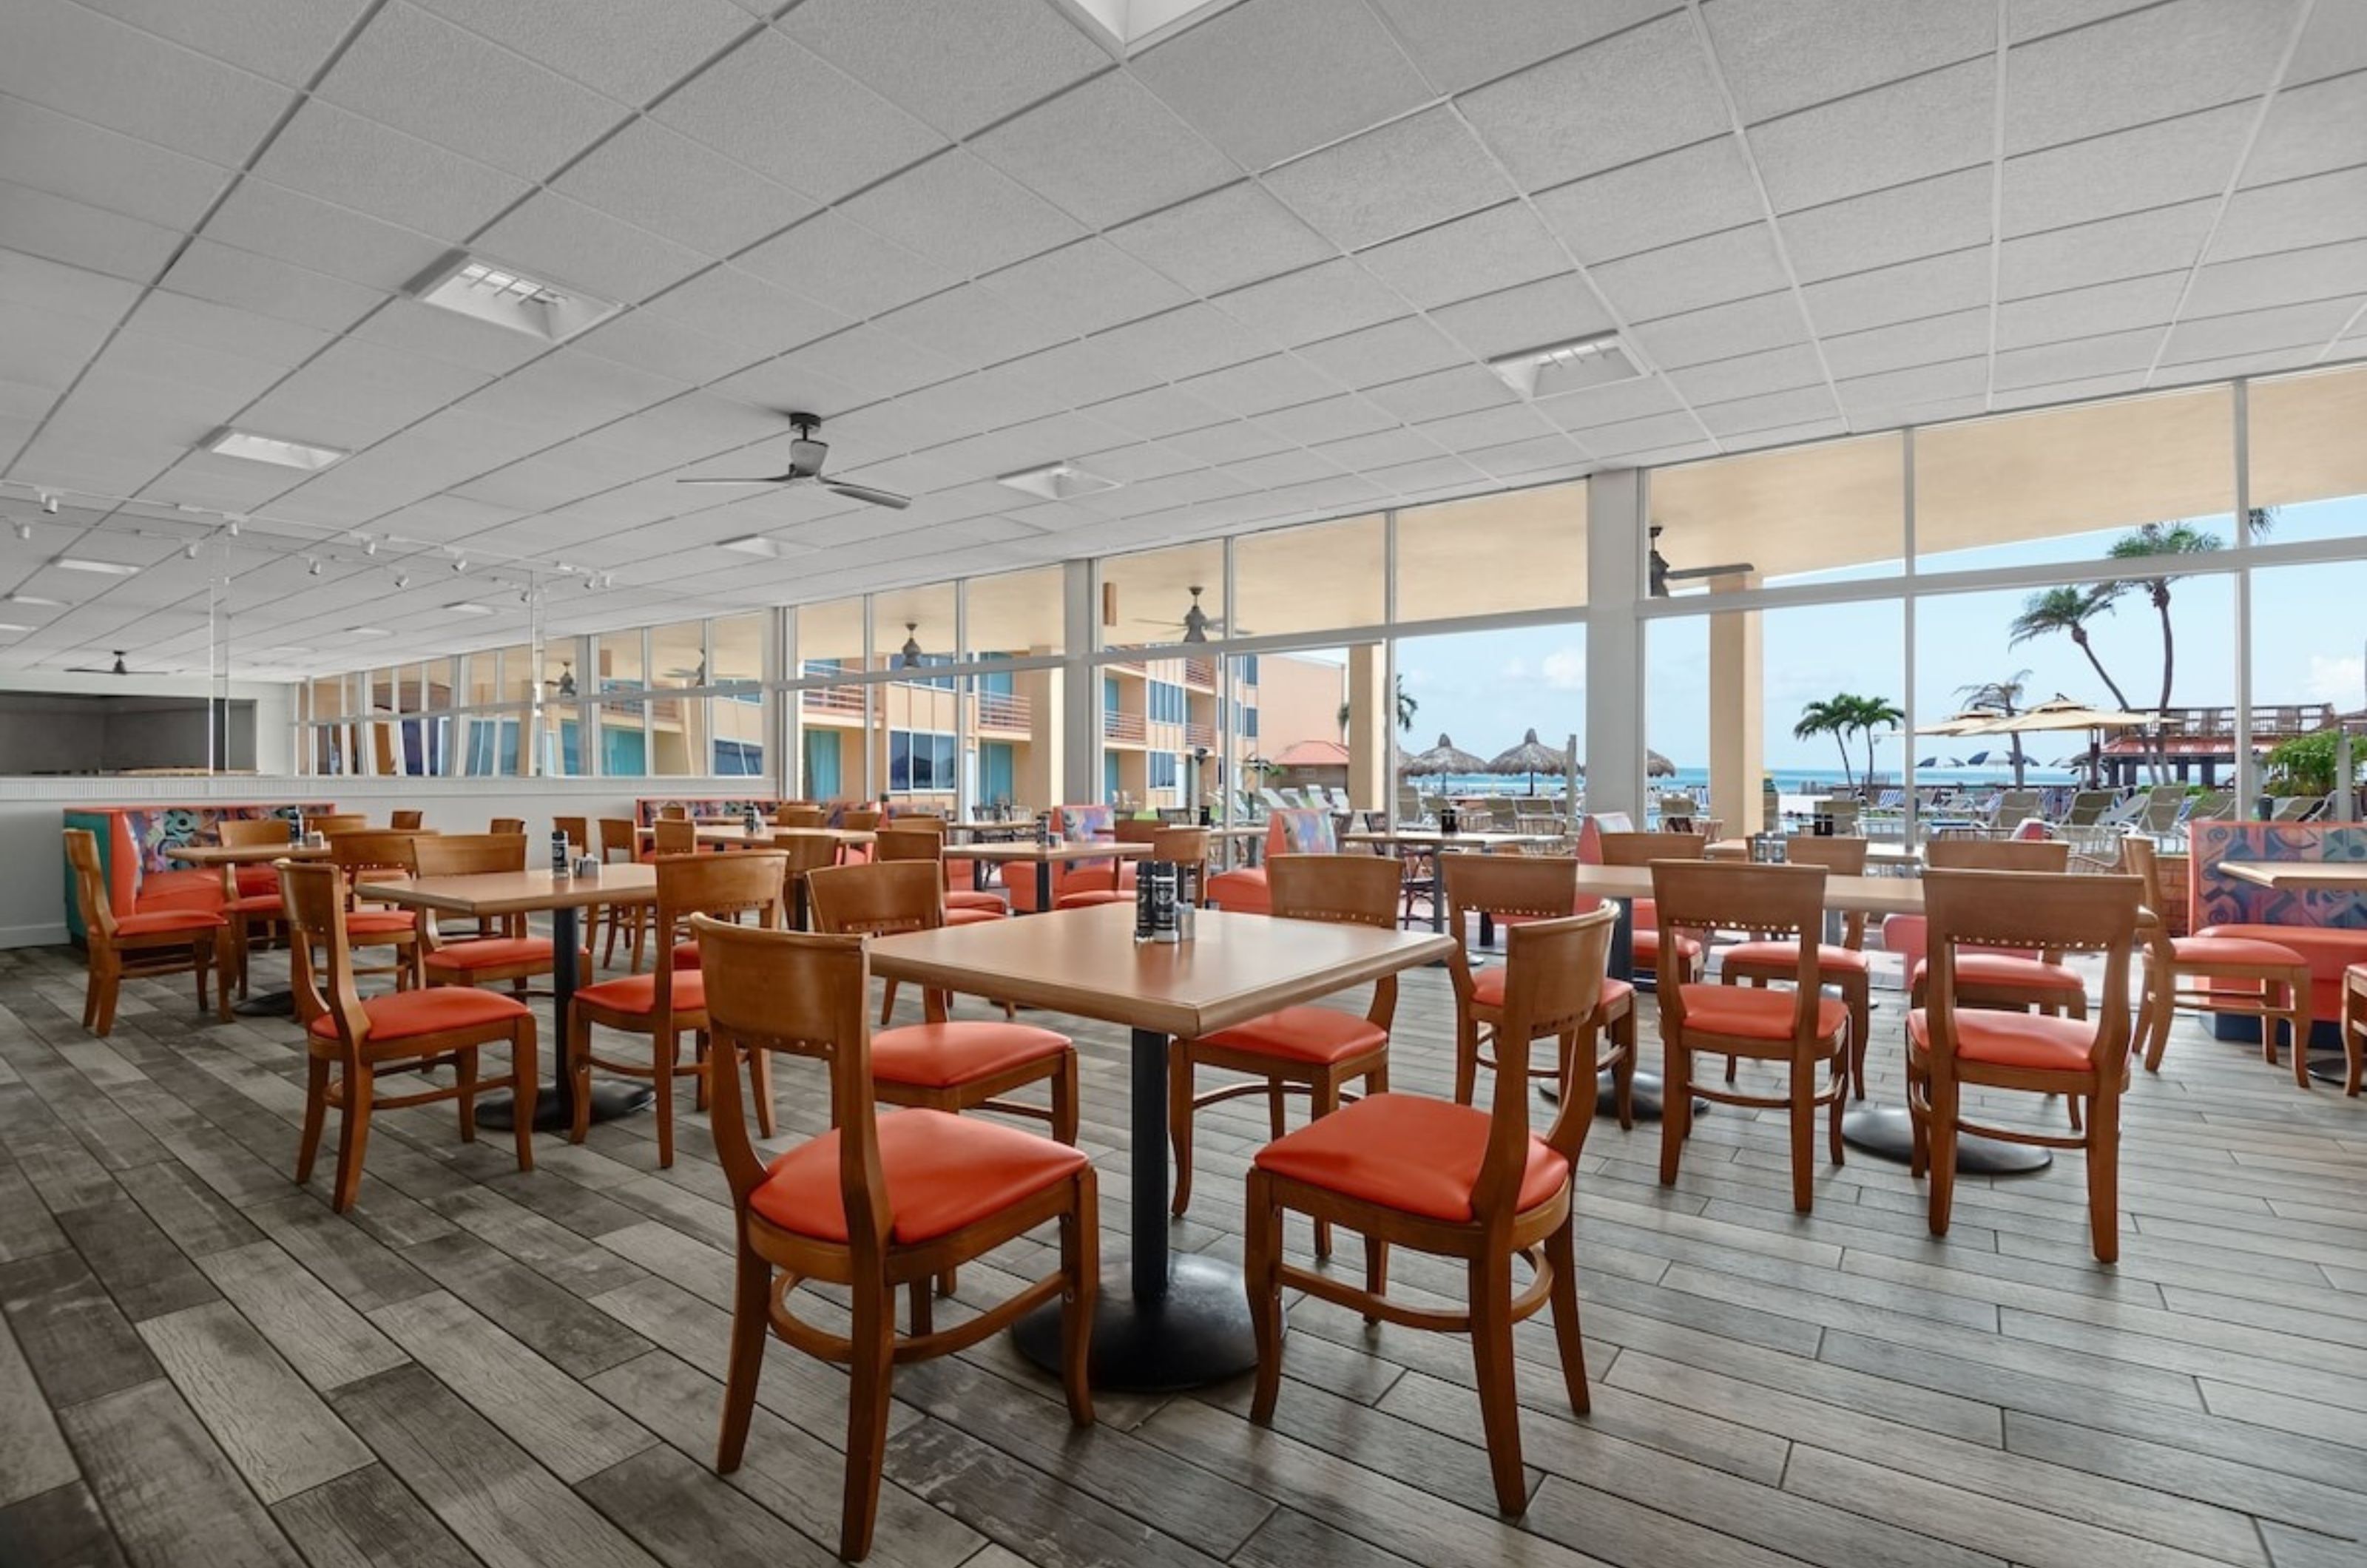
(202, 1365)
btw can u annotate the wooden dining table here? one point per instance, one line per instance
(229, 858)
(1483, 842)
(487, 894)
(1164, 1320)
(1043, 857)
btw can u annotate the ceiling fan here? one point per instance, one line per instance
(806, 456)
(1197, 624)
(565, 684)
(1662, 573)
(118, 668)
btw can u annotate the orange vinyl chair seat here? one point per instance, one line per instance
(975, 898)
(1303, 1034)
(1975, 967)
(2024, 1041)
(493, 953)
(403, 1015)
(638, 993)
(1785, 956)
(156, 922)
(939, 1055)
(941, 1172)
(1359, 1151)
(1242, 892)
(975, 917)
(1647, 948)
(685, 956)
(1089, 900)
(380, 922)
(268, 905)
(2232, 950)
(1487, 990)
(1742, 1013)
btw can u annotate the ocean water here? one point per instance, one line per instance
(1788, 780)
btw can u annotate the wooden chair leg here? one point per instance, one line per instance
(1325, 1094)
(110, 988)
(1467, 1058)
(1804, 1135)
(1179, 1123)
(2105, 1176)
(1858, 993)
(2296, 1019)
(465, 1065)
(750, 1325)
(1377, 1273)
(1561, 1256)
(352, 1138)
(1943, 1139)
(316, 1112)
(918, 1308)
(525, 1082)
(663, 1050)
(870, 1369)
(1676, 1110)
(1064, 1100)
(1262, 1270)
(578, 1066)
(887, 1003)
(1623, 1072)
(1491, 1357)
(1081, 1264)
(90, 995)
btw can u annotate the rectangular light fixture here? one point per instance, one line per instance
(1565, 366)
(468, 607)
(368, 631)
(1056, 481)
(103, 568)
(35, 598)
(10, 627)
(502, 296)
(254, 449)
(755, 544)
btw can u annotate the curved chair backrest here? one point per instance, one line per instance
(618, 839)
(90, 884)
(1643, 849)
(1536, 887)
(674, 813)
(674, 836)
(381, 849)
(319, 962)
(2035, 909)
(1773, 900)
(1357, 889)
(577, 829)
(252, 832)
(1553, 981)
(407, 818)
(734, 885)
(338, 822)
(1998, 854)
(862, 819)
(902, 842)
(467, 854)
(801, 816)
(1840, 857)
(2137, 853)
(877, 899)
(506, 825)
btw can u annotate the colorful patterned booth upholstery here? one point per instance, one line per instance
(708, 808)
(141, 879)
(2328, 929)
(1291, 831)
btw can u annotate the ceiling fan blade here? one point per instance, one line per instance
(865, 492)
(771, 480)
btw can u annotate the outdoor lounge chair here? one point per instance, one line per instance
(2164, 809)
(2087, 808)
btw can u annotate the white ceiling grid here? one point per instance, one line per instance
(1250, 272)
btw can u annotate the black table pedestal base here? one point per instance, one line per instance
(1197, 1333)
(1644, 1096)
(267, 1004)
(609, 1102)
(2335, 1070)
(1887, 1133)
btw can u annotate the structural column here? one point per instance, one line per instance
(1614, 643)
(1080, 693)
(1371, 715)
(1737, 750)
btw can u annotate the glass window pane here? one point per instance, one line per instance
(1314, 578)
(1820, 513)
(1016, 613)
(2077, 484)
(329, 701)
(439, 693)
(2308, 462)
(739, 647)
(561, 658)
(678, 737)
(1146, 598)
(624, 739)
(678, 654)
(2307, 671)
(918, 618)
(830, 718)
(1833, 715)
(618, 662)
(517, 676)
(1526, 550)
(1485, 691)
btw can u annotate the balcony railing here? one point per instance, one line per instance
(832, 699)
(1120, 726)
(1199, 735)
(1200, 672)
(1000, 710)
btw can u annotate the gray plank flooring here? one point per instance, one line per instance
(199, 1361)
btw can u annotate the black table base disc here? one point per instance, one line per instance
(268, 1004)
(1887, 1133)
(609, 1102)
(2335, 1070)
(1197, 1333)
(1644, 1097)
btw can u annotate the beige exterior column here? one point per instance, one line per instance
(1737, 750)
(1370, 714)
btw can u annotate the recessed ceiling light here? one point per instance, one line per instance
(232, 443)
(505, 296)
(1565, 366)
(1056, 481)
(103, 568)
(24, 530)
(13, 626)
(35, 598)
(1135, 25)
(468, 607)
(754, 545)
(369, 631)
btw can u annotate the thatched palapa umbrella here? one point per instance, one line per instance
(1532, 757)
(1657, 767)
(1444, 758)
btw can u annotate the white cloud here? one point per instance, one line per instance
(1565, 670)
(2336, 680)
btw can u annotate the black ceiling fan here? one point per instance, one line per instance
(1662, 573)
(1197, 623)
(565, 684)
(806, 456)
(118, 668)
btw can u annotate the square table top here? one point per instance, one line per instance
(244, 855)
(2300, 876)
(1059, 850)
(736, 834)
(519, 892)
(1477, 838)
(1086, 962)
(1843, 895)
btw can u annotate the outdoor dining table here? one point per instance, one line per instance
(2306, 876)
(1163, 1320)
(1043, 856)
(734, 834)
(487, 894)
(1435, 840)
(230, 857)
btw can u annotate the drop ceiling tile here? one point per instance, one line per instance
(2304, 326)
(1408, 174)
(422, 76)
(2128, 171)
(1484, 428)
(1105, 152)
(2163, 239)
(2311, 129)
(1223, 240)
(1279, 469)
(872, 363)
(2317, 211)
(2028, 19)
(1427, 477)
(1275, 382)
(1441, 394)
(550, 236)
(1735, 264)
(846, 267)
(2121, 306)
(1769, 410)
(1610, 403)
(1319, 301)
(1084, 287)
(1552, 309)
(69, 58)
(2332, 43)
(960, 64)
(103, 168)
(666, 183)
(1390, 351)
(1137, 465)
(1869, 417)
(1235, 441)
(201, 323)
(46, 351)
(1911, 130)
(2041, 395)
(1784, 55)
(972, 325)
(1520, 459)
(59, 230)
(1676, 196)
(1185, 342)
(1478, 255)
(1747, 375)
(1381, 448)
(1916, 384)
(56, 288)
(2287, 278)
(1161, 411)
(726, 303)
(270, 220)
(1721, 331)
(284, 39)
(1460, 46)
(630, 50)
(2143, 66)
(1326, 418)
(1934, 286)
(1645, 91)
(1956, 335)
(269, 288)
(1266, 82)
(2108, 353)
(795, 118)
(356, 393)
(345, 159)
(1080, 374)
(1650, 433)
(956, 209)
(1867, 231)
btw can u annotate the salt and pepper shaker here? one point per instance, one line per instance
(750, 822)
(1162, 876)
(559, 866)
(296, 829)
(1145, 921)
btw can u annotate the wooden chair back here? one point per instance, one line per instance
(1187, 848)
(798, 995)
(467, 854)
(672, 814)
(877, 898)
(863, 821)
(1776, 901)
(578, 830)
(252, 832)
(674, 836)
(618, 839)
(90, 885)
(751, 882)
(808, 852)
(506, 825)
(320, 959)
(1998, 854)
(2138, 854)
(2035, 909)
(1540, 887)
(801, 816)
(377, 848)
(902, 842)
(1553, 983)
(1134, 830)
(1840, 857)
(1352, 890)
(1643, 849)
(408, 817)
(337, 822)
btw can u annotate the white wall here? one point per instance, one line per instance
(274, 710)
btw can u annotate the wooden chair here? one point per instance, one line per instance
(384, 855)
(2261, 968)
(2017, 980)
(2354, 1026)
(510, 952)
(940, 1064)
(801, 816)
(1186, 848)
(876, 1204)
(862, 819)
(406, 820)
(162, 942)
(908, 841)
(337, 822)
(1455, 1181)
(507, 824)
(670, 1001)
(671, 813)
(246, 912)
(350, 1042)
(1315, 1051)
(674, 836)
(1644, 918)
(578, 830)
(1802, 1029)
(620, 844)
(1515, 890)
(1844, 964)
(1950, 1046)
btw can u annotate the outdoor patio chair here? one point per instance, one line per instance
(2164, 809)
(2088, 807)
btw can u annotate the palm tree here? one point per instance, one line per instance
(2159, 543)
(2001, 695)
(1829, 715)
(2068, 610)
(1407, 708)
(1868, 715)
